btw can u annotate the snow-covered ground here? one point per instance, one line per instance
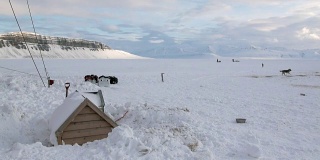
(191, 115)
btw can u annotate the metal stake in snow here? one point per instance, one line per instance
(162, 77)
(67, 85)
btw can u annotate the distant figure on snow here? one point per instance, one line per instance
(284, 72)
(262, 65)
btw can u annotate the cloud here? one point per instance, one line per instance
(306, 33)
(265, 22)
(265, 25)
(110, 28)
(84, 8)
(312, 8)
(156, 41)
(204, 11)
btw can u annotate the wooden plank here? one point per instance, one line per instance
(87, 117)
(82, 140)
(86, 125)
(102, 114)
(86, 110)
(59, 140)
(86, 132)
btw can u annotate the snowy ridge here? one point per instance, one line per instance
(16, 39)
(221, 49)
(229, 50)
(253, 51)
(12, 46)
(56, 52)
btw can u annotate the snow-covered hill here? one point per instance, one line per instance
(267, 52)
(168, 50)
(216, 49)
(12, 46)
(228, 50)
(57, 52)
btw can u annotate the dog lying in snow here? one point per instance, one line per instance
(284, 72)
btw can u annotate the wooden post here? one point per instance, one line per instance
(48, 82)
(162, 77)
(67, 85)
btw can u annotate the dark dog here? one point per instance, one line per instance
(284, 72)
(93, 78)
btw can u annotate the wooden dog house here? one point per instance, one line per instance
(78, 120)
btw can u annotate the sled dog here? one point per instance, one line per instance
(284, 72)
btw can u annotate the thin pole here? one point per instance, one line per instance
(162, 77)
(35, 34)
(26, 43)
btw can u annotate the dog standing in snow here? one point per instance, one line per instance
(284, 72)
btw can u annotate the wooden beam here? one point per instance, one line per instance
(82, 140)
(102, 114)
(87, 117)
(59, 140)
(87, 110)
(87, 125)
(86, 132)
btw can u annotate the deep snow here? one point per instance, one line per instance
(191, 115)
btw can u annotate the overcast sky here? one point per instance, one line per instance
(284, 23)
